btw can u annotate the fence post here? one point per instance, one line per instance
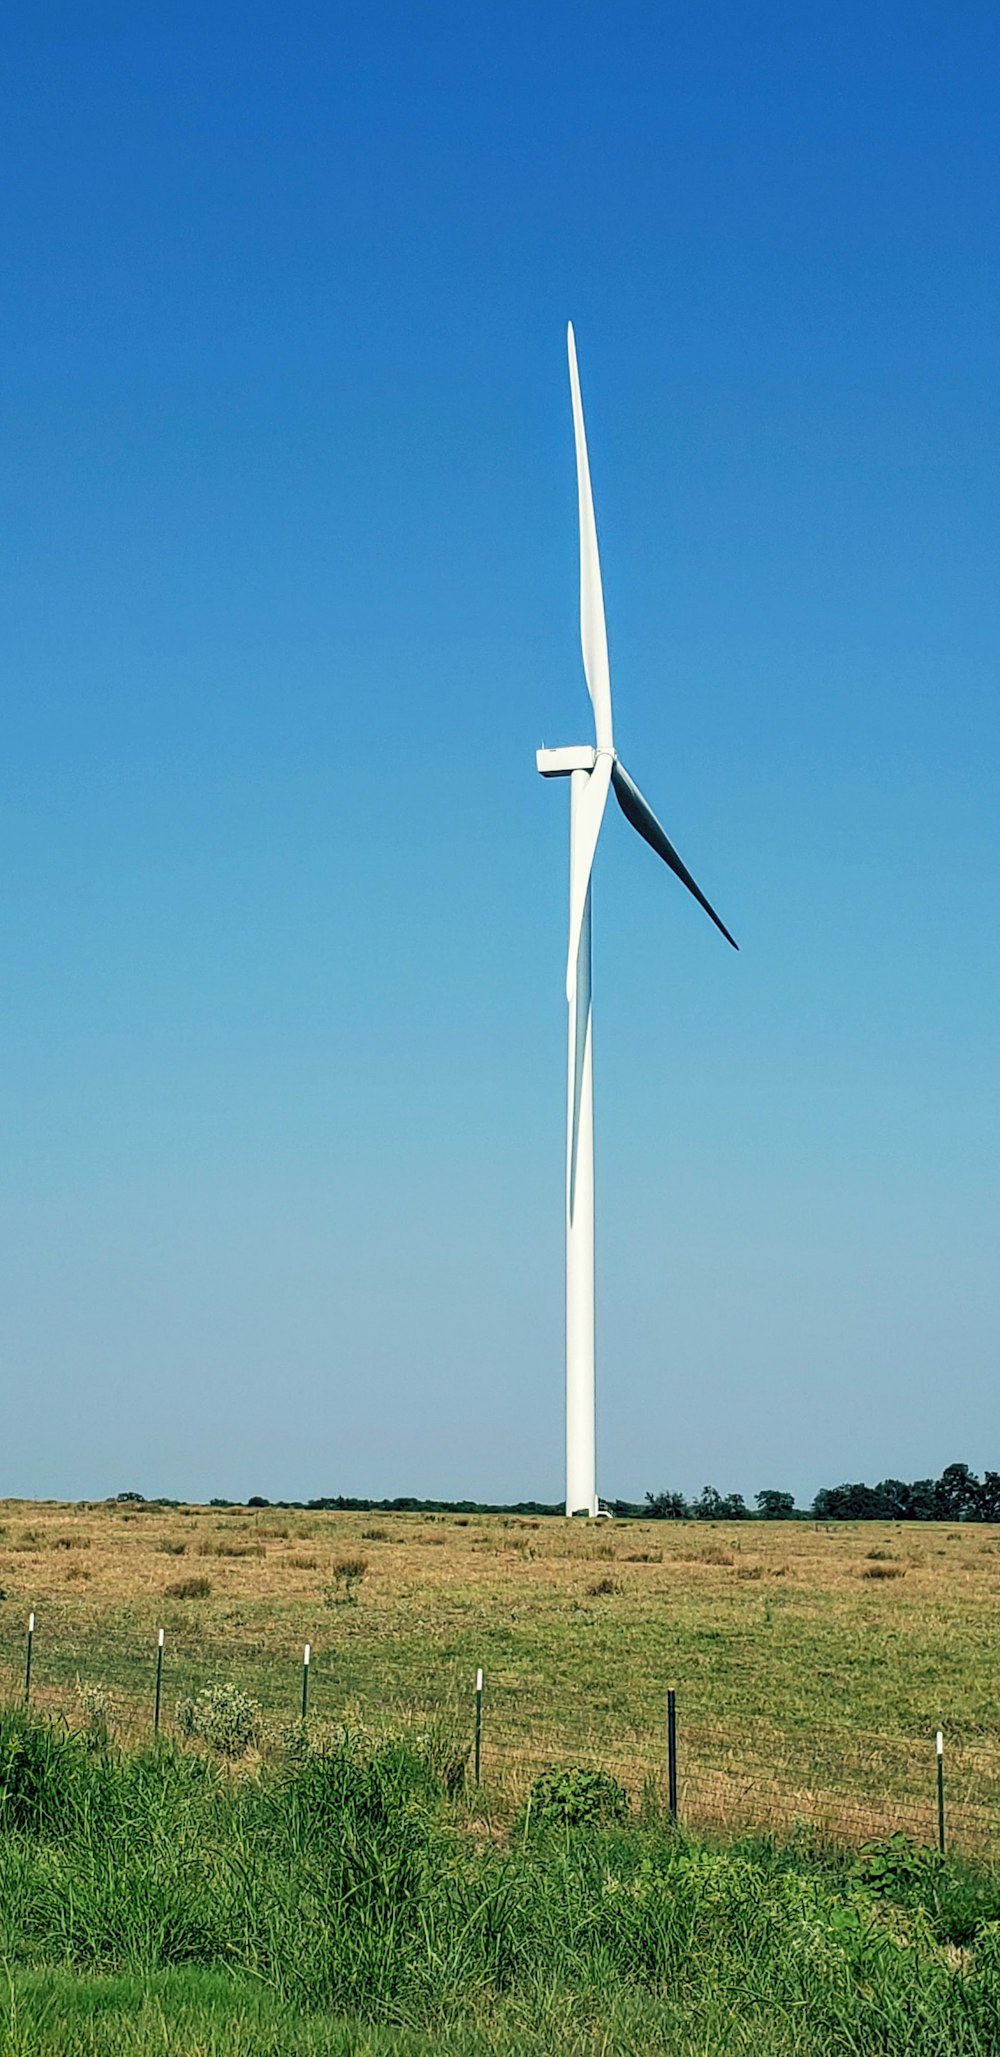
(159, 1683)
(940, 1790)
(672, 1754)
(27, 1661)
(479, 1722)
(307, 1653)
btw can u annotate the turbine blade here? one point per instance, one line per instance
(640, 814)
(590, 814)
(593, 634)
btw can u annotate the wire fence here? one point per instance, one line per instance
(826, 1778)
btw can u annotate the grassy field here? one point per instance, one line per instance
(811, 1665)
(335, 1897)
(331, 1893)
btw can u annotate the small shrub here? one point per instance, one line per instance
(72, 1542)
(884, 1571)
(224, 1548)
(189, 1589)
(575, 1797)
(348, 1573)
(644, 1557)
(603, 1586)
(375, 1535)
(891, 1867)
(102, 1713)
(224, 1717)
(171, 1547)
(302, 1563)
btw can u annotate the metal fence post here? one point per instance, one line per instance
(307, 1653)
(159, 1683)
(27, 1661)
(940, 1790)
(672, 1754)
(479, 1723)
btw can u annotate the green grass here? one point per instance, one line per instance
(336, 1899)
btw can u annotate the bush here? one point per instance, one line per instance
(575, 1797)
(189, 1589)
(102, 1711)
(224, 1717)
(347, 1573)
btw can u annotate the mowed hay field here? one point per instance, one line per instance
(812, 1665)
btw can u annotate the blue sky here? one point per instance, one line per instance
(288, 599)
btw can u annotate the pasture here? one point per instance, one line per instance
(346, 1888)
(812, 1665)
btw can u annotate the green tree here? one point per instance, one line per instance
(957, 1494)
(665, 1506)
(775, 1506)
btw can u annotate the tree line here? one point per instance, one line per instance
(958, 1495)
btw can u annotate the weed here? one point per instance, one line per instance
(576, 1797)
(224, 1716)
(348, 1573)
(102, 1710)
(189, 1589)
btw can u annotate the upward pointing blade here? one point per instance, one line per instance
(640, 814)
(593, 634)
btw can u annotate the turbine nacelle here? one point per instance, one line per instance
(558, 764)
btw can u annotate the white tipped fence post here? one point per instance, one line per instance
(159, 1683)
(27, 1661)
(479, 1723)
(307, 1653)
(940, 1790)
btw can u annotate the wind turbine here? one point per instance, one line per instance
(591, 770)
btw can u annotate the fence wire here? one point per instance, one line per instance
(828, 1779)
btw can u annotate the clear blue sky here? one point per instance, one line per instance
(288, 600)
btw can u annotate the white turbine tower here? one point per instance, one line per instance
(590, 770)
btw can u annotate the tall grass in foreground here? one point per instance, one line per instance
(338, 1901)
